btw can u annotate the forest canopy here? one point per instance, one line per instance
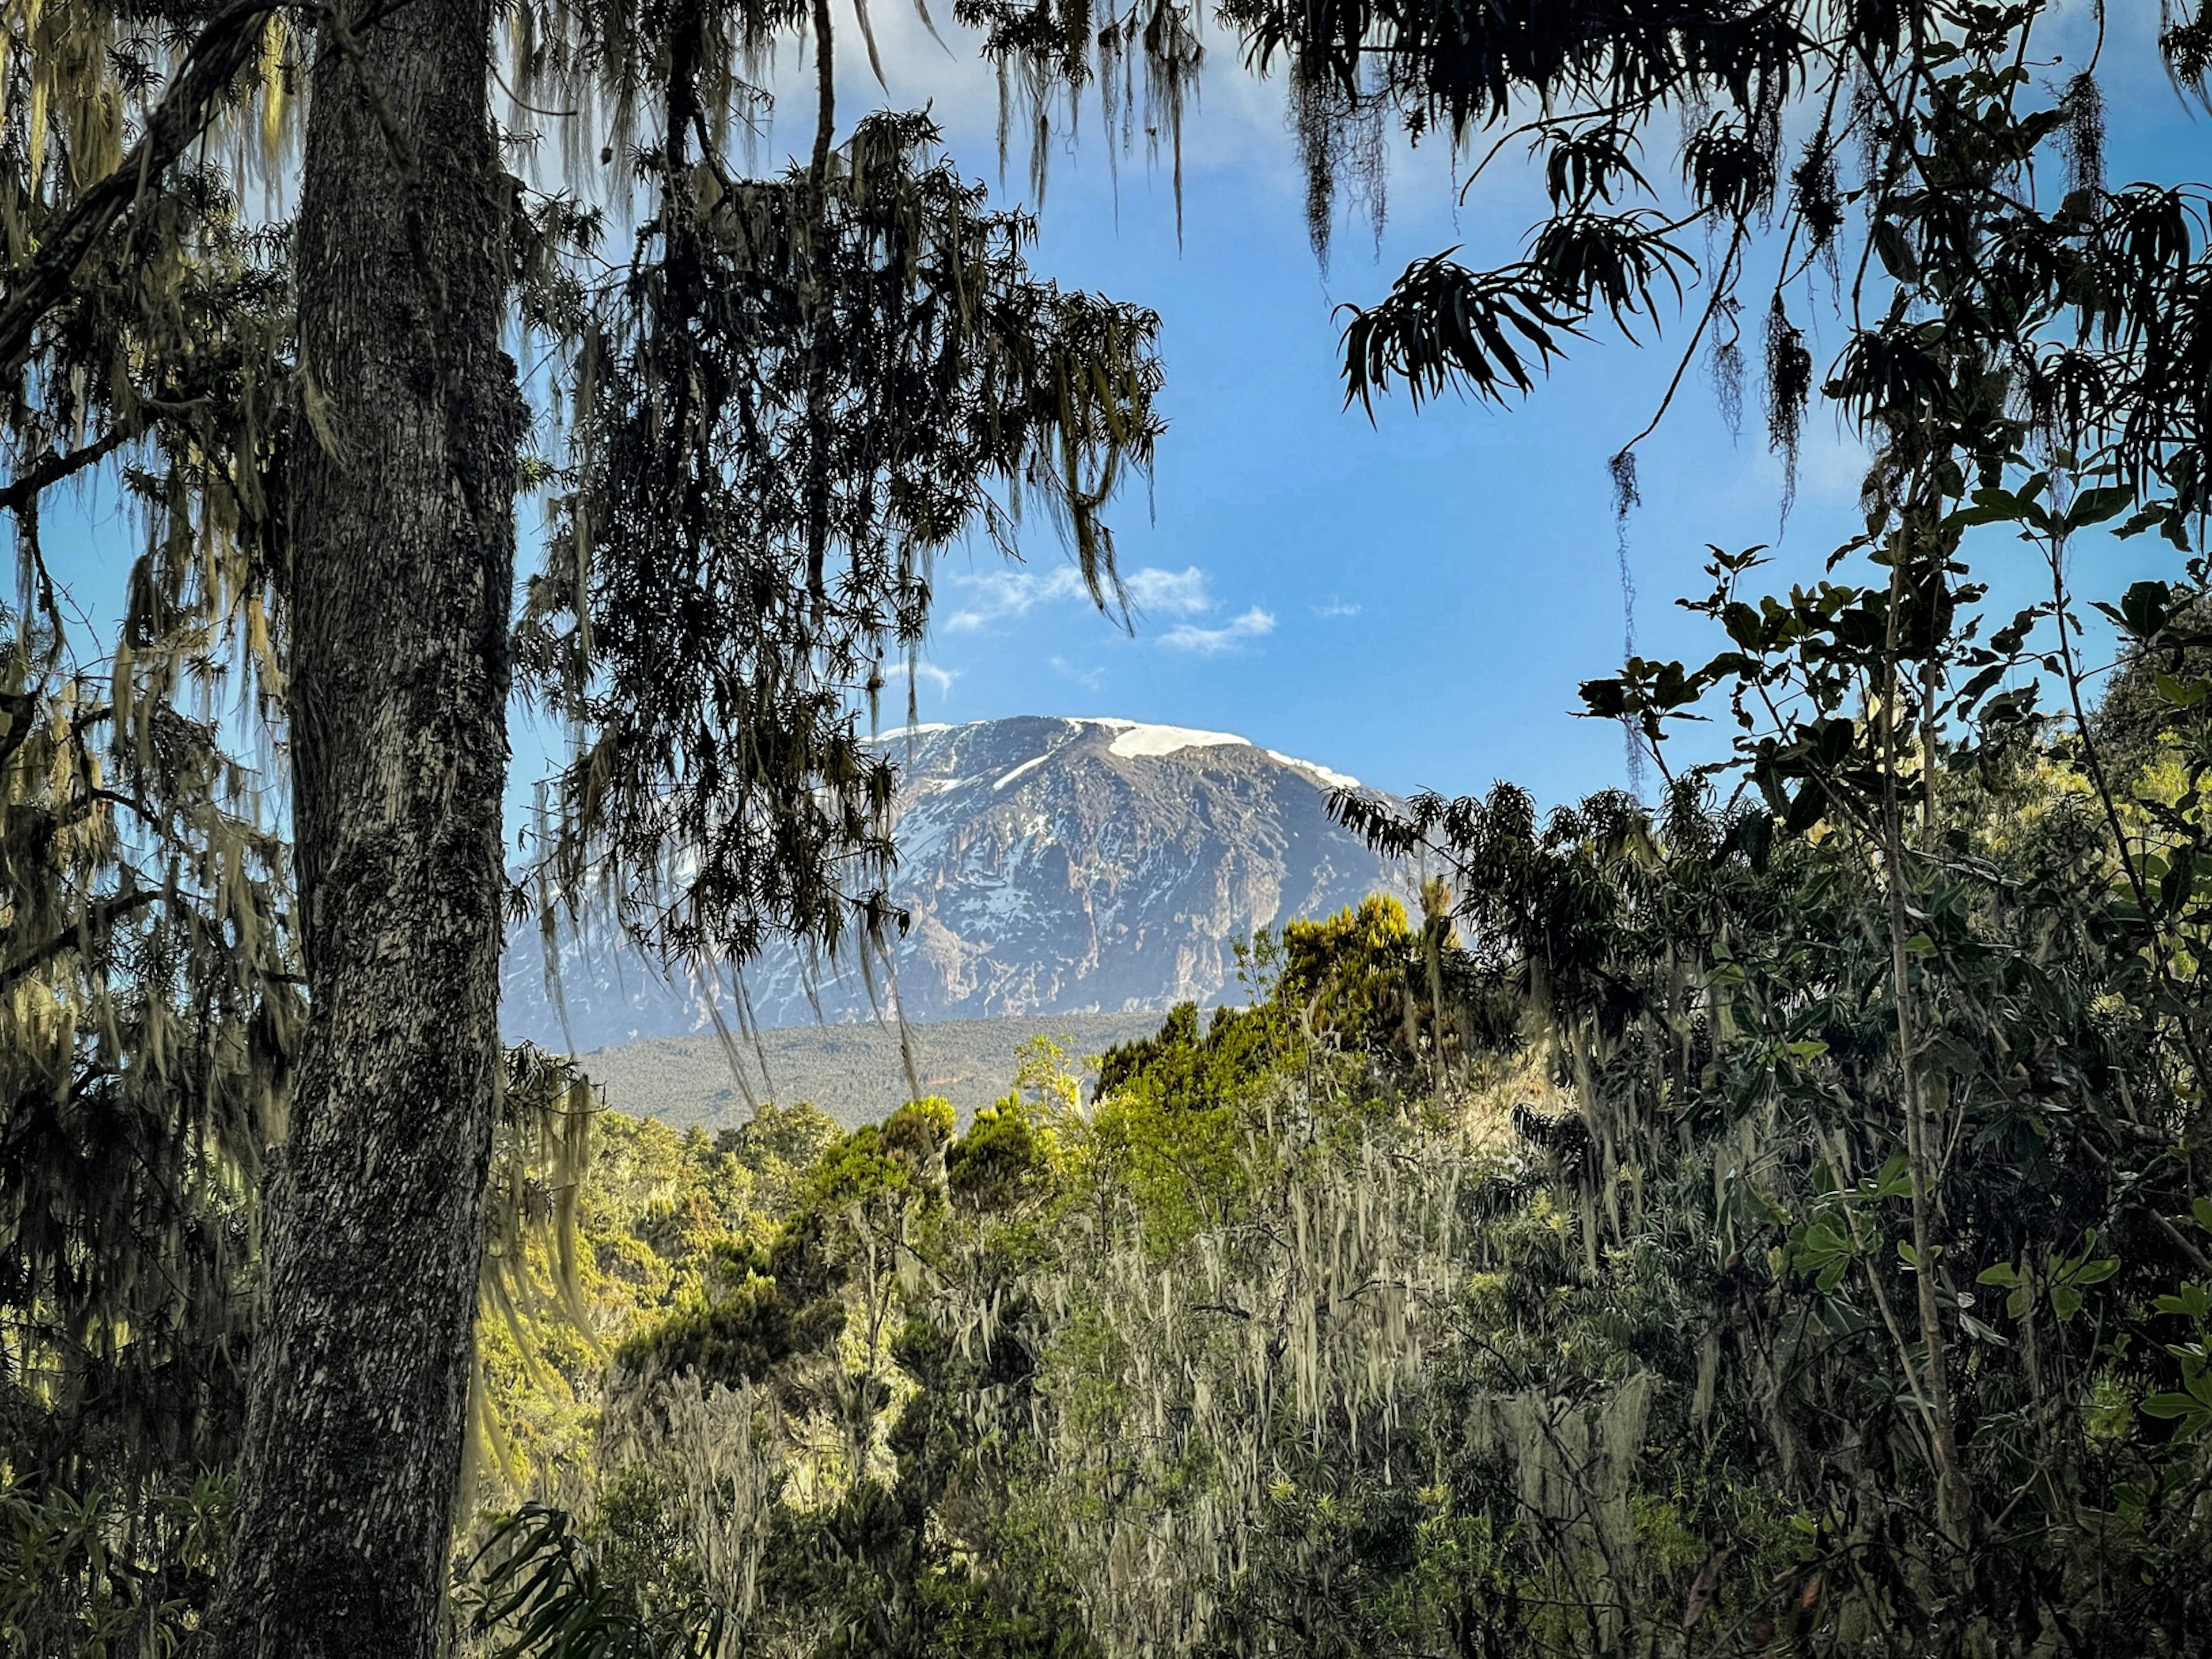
(1771, 1217)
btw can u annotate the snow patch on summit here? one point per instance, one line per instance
(1334, 780)
(1136, 740)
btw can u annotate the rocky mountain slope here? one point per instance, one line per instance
(1051, 865)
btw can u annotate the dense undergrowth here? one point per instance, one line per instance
(1541, 1275)
(1299, 1341)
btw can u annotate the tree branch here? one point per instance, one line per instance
(230, 41)
(48, 470)
(100, 913)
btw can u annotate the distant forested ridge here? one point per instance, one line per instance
(855, 1071)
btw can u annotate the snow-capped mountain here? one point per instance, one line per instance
(1051, 865)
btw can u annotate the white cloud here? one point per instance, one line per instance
(1334, 608)
(997, 594)
(1013, 592)
(1008, 594)
(925, 673)
(1209, 642)
(1089, 679)
(1175, 593)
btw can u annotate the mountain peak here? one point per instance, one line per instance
(1051, 864)
(1130, 739)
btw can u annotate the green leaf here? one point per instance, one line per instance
(1982, 1333)
(2145, 607)
(1991, 506)
(2171, 1404)
(1895, 252)
(2095, 505)
(2192, 1303)
(2181, 694)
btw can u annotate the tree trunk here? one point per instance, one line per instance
(402, 554)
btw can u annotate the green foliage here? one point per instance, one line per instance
(535, 1577)
(754, 435)
(665, 1230)
(1007, 1160)
(849, 368)
(1167, 1122)
(74, 1581)
(778, 1146)
(149, 1015)
(1180, 1070)
(1857, 1307)
(880, 1166)
(855, 1325)
(147, 1023)
(1245, 1357)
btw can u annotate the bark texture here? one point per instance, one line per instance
(403, 553)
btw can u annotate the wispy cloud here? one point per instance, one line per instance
(990, 596)
(1334, 609)
(995, 595)
(1089, 679)
(1210, 642)
(1010, 594)
(924, 673)
(1171, 592)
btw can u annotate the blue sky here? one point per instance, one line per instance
(1414, 601)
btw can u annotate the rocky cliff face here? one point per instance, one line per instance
(1051, 865)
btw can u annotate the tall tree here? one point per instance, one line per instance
(793, 394)
(401, 562)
